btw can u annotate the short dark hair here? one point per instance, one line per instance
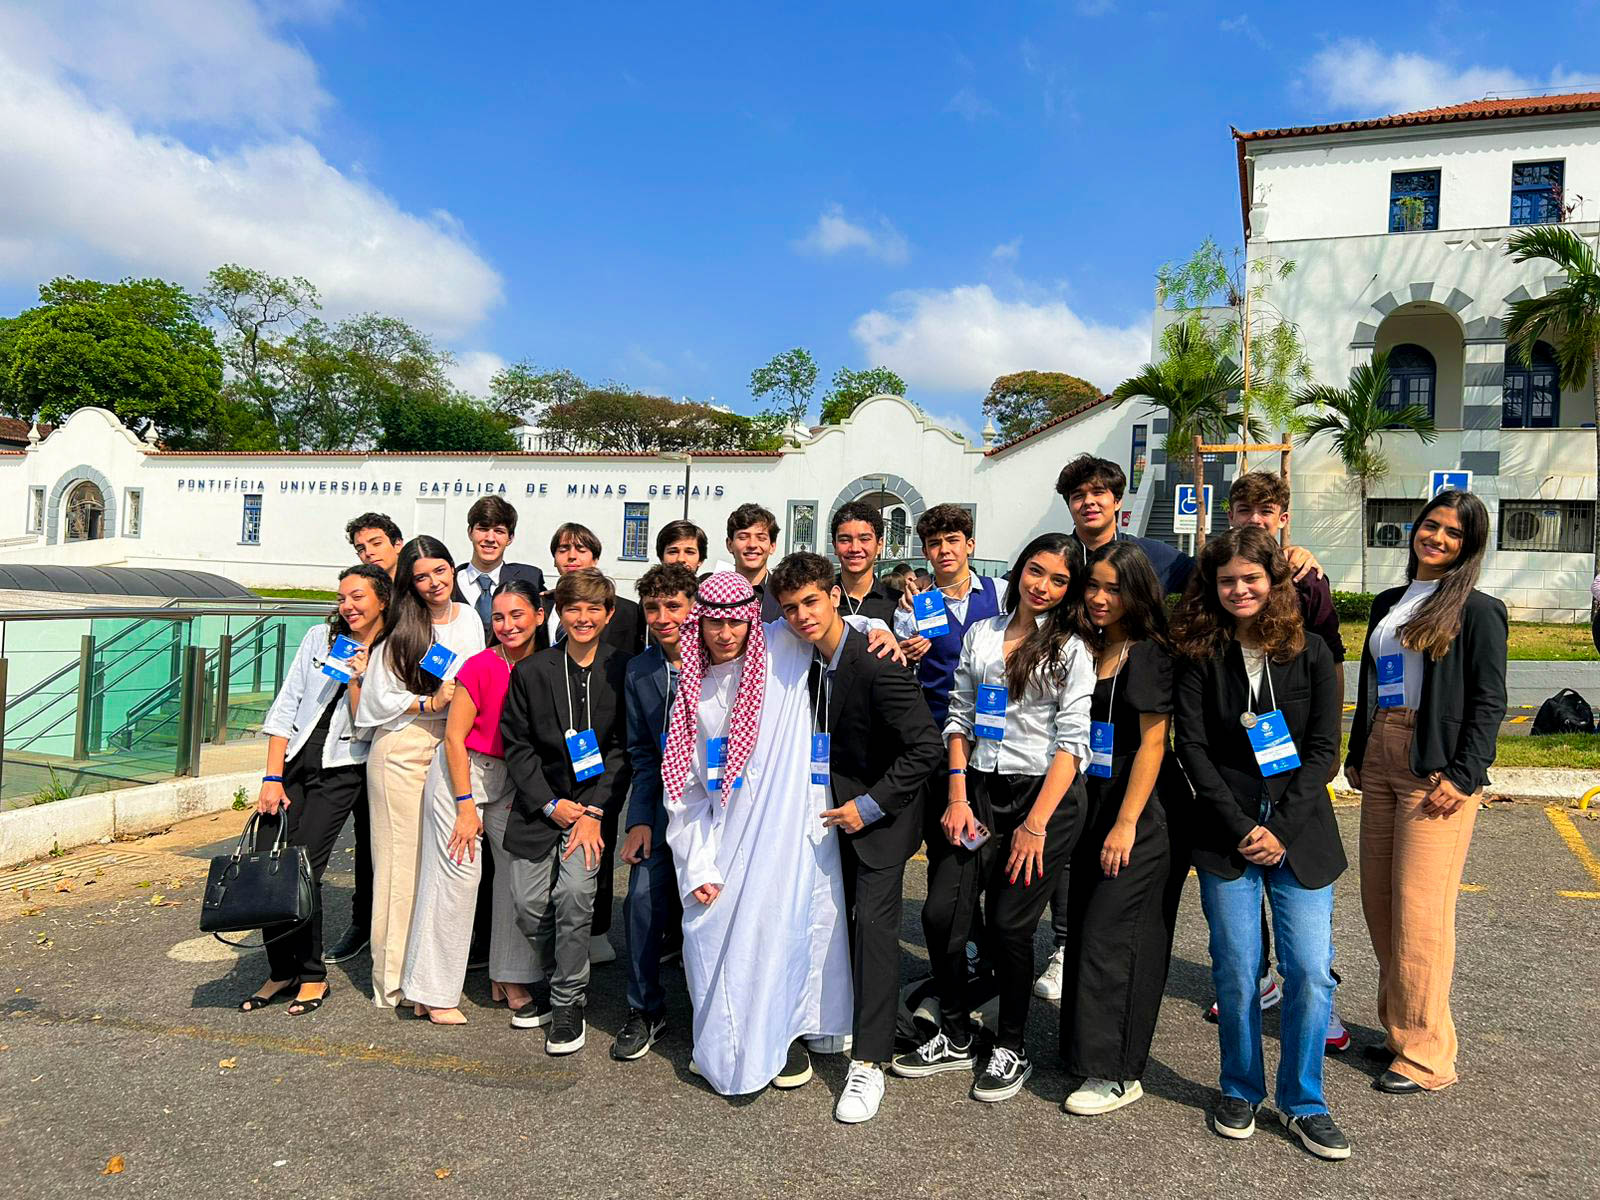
(747, 515)
(1256, 488)
(797, 570)
(1086, 468)
(491, 511)
(573, 532)
(944, 518)
(586, 585)
(372, 520)
(666, 579)
(676, 531)
(857, 510)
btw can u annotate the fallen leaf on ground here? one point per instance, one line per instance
(114, 1165)
(227, 1064)
(64, 886)
(442, 1173)
(32, 912)
(96, 1017)
(142, 883)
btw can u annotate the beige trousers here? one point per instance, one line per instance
(397, 771)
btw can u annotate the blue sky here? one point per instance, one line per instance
(667, 195)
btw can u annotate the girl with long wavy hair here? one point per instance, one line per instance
(1431, 697)
(1257, 717)
(404, 700)
(1017, 736)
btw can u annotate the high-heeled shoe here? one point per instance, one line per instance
(299, 1007)
(500, 993)
(440, 1016)
(257, 1001)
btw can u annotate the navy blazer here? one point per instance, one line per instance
(508, 572)
(645, 703)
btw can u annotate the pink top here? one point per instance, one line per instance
(486, 677)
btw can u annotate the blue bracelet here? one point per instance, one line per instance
(958, 770)
(468, 796)
(272, 779)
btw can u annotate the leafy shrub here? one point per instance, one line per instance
(1353, 606)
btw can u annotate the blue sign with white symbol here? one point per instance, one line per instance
(1445, 481)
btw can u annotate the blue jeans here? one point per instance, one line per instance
(1303, 918)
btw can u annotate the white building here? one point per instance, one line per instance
(1397, 228)
(92, 494)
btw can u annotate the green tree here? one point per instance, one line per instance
(521, 392)
(620, 421)
(1568, 317)
(453, 423)
(1195, 388)
(1027, 399)
(258, 313)
(790, 379)
(849, 388)
(1356, 419)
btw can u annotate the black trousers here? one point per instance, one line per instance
(320, 798)
(874, 897)
(361, 900)
(605, 884)
(1118, 950)
(956, 879)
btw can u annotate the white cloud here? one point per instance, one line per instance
(956, 423)
(835, 233)
(967, 103)
(94, 180)
(961, 338)
(1007, 251)
(473, 369)
(1245, 28)
(1354, 75)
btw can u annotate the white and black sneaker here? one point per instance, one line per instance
(1318, 1134)
(796, 1069)
(533, 1014)
(1233, 1118)
(934, 1056)
(1095, 1097)
(567, 1030)
(1003, 1078)
(1271, 995)
(638, 1033)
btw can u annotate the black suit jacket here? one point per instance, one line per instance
(533, 725)
(1228, 785)
(646, 703)
(624, 632)
(884, 743)
(1463, 696)
(508, 571)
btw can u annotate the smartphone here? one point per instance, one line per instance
(977, 838)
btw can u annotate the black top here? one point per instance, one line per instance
(625, 630)
(879, 603)
(1463, 696)
(771, 610)
(1318, 612)
(1144, 685)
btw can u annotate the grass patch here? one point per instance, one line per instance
(1529, 641)
(1556, 752)
(295, 594)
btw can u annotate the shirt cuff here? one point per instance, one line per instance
(868, 808)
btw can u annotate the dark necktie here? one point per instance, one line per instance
(485, 604)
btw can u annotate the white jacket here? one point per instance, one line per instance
(300, 702)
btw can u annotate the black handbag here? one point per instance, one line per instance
(258, 889)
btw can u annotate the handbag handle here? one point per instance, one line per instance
(247, 835)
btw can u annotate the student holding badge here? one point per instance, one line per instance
(1257, 716)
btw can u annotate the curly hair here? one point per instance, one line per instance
(1202, 627)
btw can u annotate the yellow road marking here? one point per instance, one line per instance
(1574, 840)
(1472, 887)
(1579, 895)
(1518, 721)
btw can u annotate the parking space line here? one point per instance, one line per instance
(1569, 834)
(1519, 720)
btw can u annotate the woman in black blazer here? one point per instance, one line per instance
(1257, 718)
(1431, 698)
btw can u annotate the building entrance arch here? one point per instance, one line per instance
(900, 504)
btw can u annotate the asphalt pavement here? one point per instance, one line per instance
(121, 1048)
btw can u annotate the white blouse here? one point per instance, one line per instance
(1385, 638)
(386, 703)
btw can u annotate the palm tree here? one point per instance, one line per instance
(1356, 418)
(1568, 318)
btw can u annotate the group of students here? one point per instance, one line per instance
(786, 738)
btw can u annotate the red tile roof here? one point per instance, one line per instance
(1050, 424)
(455, 454)
(1473, 110)
(14, 432)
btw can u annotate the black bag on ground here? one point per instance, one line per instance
(270, 890)
(1565, 712)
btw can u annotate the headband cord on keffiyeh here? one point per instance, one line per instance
(729, 596)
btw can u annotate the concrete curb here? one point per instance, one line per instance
(28, 833)
(1527, 784)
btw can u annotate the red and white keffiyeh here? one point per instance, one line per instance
(727, 595)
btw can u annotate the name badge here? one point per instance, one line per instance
(438, 661)
(1273, 743)
(928, 608)
(716, 759)
(583, 749)
(821, 752)
(1391, 681)
(991, 719)
(337, 664)
(1102, 737)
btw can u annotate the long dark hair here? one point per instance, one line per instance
(1037, 657)
(1438, 621)
(1202, 628)
(1144, 607)
(382, 588)
(411, 630)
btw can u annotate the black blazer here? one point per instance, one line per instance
(624, 632)
(1463, 696)
(533, 725)
(884, 743)
(1228, 785)
(508, 572)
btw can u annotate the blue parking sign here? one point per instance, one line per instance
(1446, 481)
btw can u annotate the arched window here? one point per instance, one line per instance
(897, 532)
(1411, 378)
(1532, 396)
(86, 511)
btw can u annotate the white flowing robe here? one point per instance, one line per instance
(768, 960)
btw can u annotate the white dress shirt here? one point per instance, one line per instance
(386, 703)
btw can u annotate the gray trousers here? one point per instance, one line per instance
(554, 901)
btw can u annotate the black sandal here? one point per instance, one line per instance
(257, 1001)
(299, 1008)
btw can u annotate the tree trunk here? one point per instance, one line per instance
(1361, 531)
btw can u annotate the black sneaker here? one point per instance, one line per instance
(796, 1069)
(1318, 1134)
(637, 1035)
(566, 1030)
(350, 945)
(477, 957)
(939, 1053)
(1003, 1078)
(1233, 1118)
(534, 1013)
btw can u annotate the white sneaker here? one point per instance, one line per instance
(863, 1092)
(1097, 1096)
(1271, 993)
(601, 950)
(1048, 985)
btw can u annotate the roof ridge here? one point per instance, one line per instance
(1482, 109)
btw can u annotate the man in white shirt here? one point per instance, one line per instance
(491, 528)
